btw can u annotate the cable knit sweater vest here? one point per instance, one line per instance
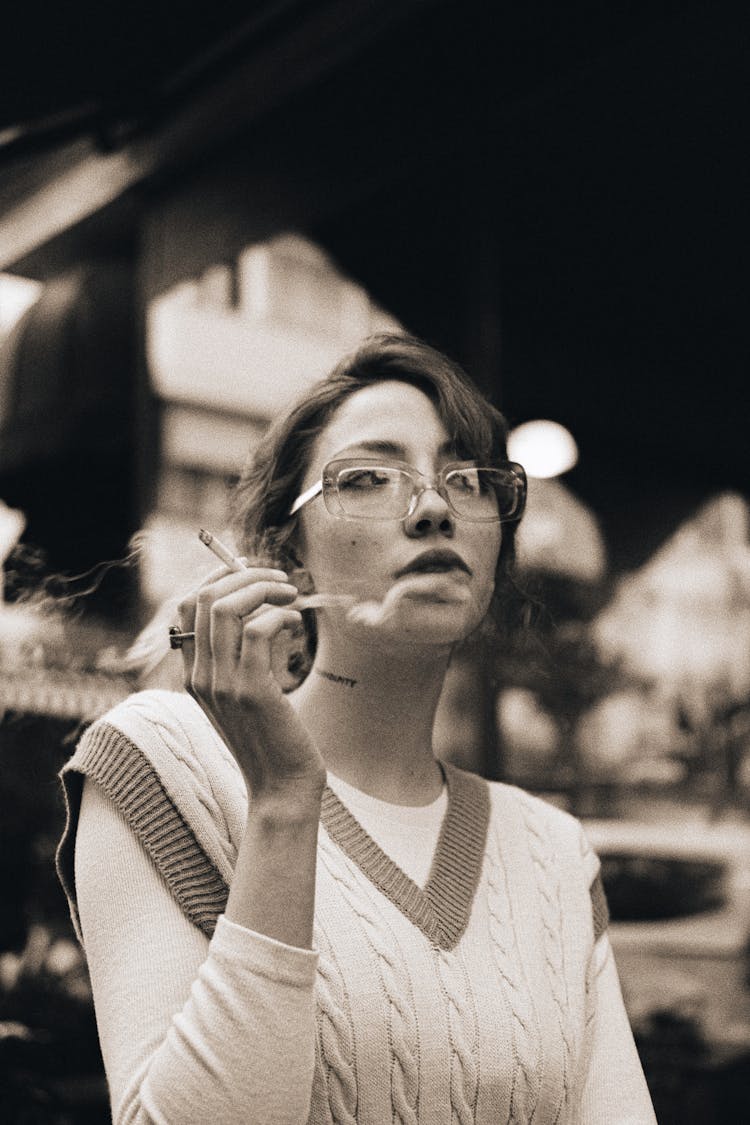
(467, 1001)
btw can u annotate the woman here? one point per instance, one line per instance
(291, 910)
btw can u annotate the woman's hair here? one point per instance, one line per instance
(272, 479)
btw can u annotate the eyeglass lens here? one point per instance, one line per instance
(385, 492)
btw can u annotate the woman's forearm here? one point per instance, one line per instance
(273, 888)
(191, 1030)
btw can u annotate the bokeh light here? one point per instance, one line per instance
(544, 448)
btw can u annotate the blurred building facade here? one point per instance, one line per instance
(226, 354)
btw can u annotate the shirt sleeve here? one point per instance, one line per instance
(615, 1090)
(614, 1086)
(191, 1029)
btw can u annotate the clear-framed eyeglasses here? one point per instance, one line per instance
(372, 489)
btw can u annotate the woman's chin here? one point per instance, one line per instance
(429, 633)
(416, 620)
(422, 609)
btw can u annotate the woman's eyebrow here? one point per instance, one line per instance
(391, 448)
(376, 445)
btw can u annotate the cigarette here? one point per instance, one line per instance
(305, 601)
(221, 551)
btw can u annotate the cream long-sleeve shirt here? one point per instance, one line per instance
(459, 972)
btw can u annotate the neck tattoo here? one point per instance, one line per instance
(345, 680)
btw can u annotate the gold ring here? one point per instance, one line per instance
(176, 636)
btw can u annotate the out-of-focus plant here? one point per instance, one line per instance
(57, 962)
(557, 668)
(717, 733)
(49, 1049)
(50, 1064)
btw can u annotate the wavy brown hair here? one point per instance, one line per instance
(272, 478)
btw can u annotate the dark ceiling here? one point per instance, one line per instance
(610, 176)
(598, 149)
(84, 61)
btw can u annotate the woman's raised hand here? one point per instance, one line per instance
(228, 671)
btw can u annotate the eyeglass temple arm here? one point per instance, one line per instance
(308, 495)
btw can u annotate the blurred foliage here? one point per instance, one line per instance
(557, 660)
(50, 1063)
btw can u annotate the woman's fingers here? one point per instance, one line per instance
(186, 617)
(215, 610)
(230, 672)
(228, 614)
(218, 608)
(223, 581)
(218, 626)
(264, 627)
(218, 582)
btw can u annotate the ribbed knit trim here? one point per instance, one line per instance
(128, 778)
(442, 909)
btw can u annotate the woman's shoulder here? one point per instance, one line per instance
(170, 778)
(160, 743)
(557, 831)
(505, 793)
(167, 727)
(154, 710)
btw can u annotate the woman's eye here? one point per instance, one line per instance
(364, 479)
(464, 482)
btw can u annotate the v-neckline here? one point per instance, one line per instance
(442, 908)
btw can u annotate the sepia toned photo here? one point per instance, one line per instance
(374, 564)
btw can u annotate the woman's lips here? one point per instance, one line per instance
(437, 585)
(436, 572)
(437, 561)
(438, 575)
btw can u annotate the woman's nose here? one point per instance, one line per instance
(430, 512)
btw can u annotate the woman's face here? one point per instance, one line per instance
(433, 604)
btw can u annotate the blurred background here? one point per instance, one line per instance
(199, 214)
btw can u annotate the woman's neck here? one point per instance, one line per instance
(371, 715)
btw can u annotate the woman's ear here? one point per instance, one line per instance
(302, 579)
(298, 573)
(300, 647)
